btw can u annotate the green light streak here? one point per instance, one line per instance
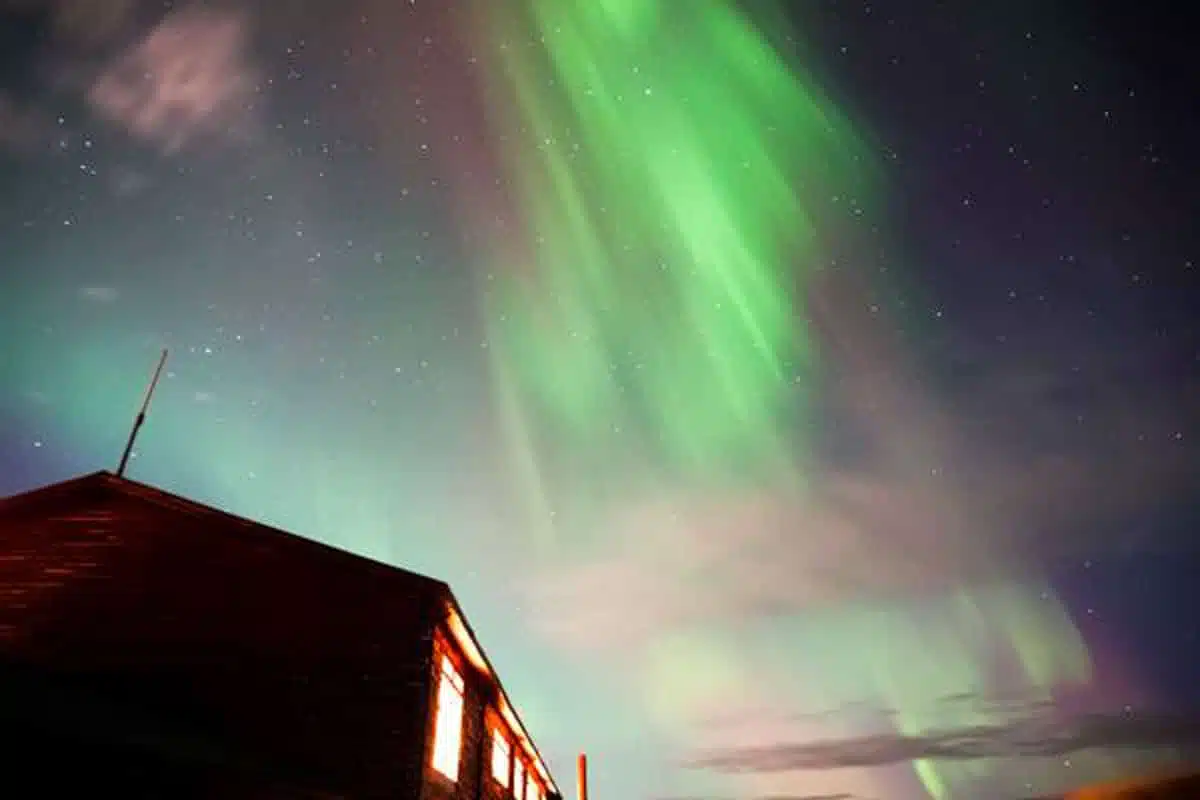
(671, 240)
(673, 172)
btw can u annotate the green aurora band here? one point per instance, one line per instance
(669, 176)
(673, 176)
(680, 170)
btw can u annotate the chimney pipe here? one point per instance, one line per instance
(582, 777)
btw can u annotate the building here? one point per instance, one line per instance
(156, 647)
(1173, 786)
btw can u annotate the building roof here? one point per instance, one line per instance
(100, 486)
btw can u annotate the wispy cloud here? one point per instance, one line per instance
(100, 294)
(190, 76)
(908, 565)
(1039, 734)
(187, 79)
(939, 495)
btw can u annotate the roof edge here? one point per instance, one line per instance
(144, 492)
(50, 489)
(161, 498)
(522, 732)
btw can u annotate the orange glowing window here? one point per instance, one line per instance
(447, 726)
(501, 758)
(518, 786)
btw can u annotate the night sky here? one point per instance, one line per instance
(801, 401)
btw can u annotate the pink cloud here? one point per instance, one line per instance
(188, 77)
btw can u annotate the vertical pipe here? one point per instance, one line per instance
(582, 777)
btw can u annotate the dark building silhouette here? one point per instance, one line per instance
(154, 647)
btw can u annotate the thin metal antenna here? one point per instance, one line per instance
(141, 416)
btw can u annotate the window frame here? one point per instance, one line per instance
(518, 791)
(450, 678)
(500, 742)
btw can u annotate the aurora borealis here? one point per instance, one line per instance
(762, 379)
(703, 199)
(698, 359)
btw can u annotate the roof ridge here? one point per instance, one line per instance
(50, 489)
(164, 499)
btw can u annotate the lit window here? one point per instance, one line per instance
(518, 786)
(447, 729)
(500, 758)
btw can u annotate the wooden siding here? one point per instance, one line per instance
(267, 647)
(206, 656)
(475, 697)
(492, 788)
(481, 719)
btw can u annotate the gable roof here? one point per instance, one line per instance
(103, 485)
